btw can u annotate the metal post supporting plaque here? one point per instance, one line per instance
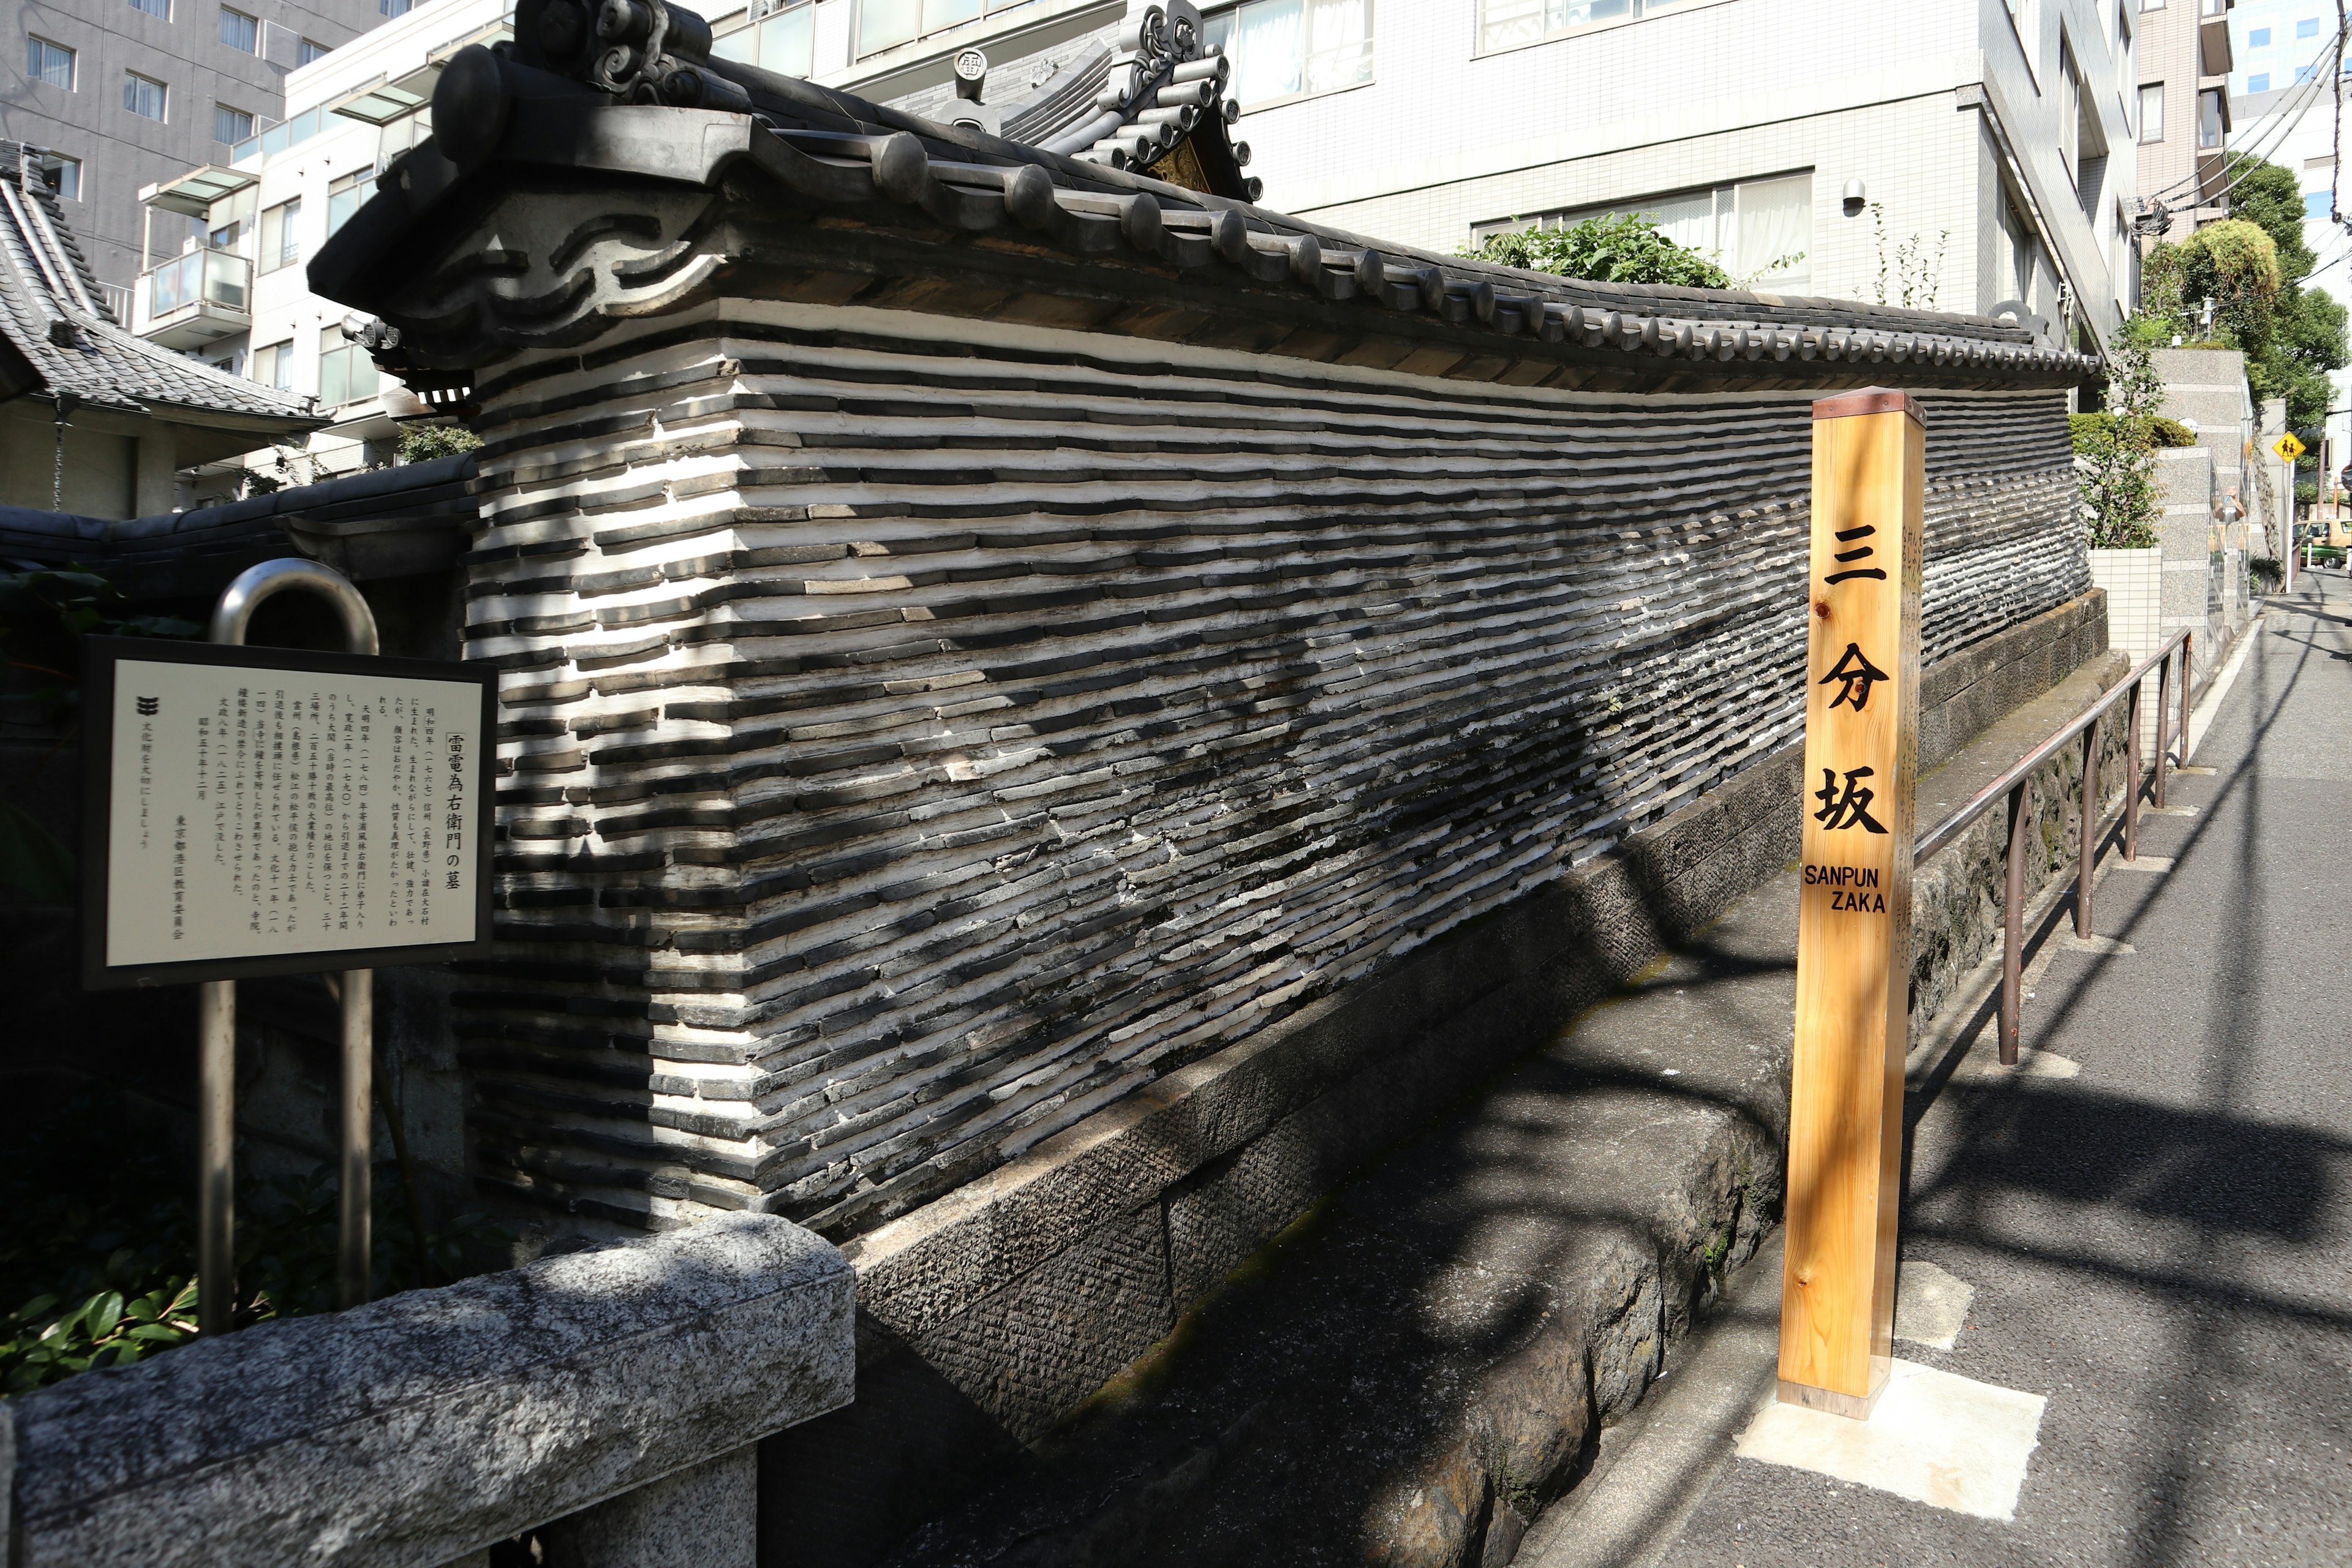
(217, 1255)
(1853, 923)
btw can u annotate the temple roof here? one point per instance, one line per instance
(1147, 94)
(987, 220)
(57, 334)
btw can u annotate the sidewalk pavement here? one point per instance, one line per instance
(2153, 1216)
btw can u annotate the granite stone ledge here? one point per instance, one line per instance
(413, 1431)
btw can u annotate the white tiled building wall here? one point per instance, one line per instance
(1937, 107)
(1443, 138)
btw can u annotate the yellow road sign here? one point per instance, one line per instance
(2287, 448)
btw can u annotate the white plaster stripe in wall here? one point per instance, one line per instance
(926, 731)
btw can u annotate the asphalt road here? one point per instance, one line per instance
(2162, 1246)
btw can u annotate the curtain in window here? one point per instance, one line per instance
(939, 13)
(1269, 50)
(1687, 220)
(1339, 45)
(788, 41)
(1775, 225)
(882, 23)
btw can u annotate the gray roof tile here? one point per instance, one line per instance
(53, 313)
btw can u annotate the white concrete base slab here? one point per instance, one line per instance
(1983, 1062)
(1931, 1305)
(2105, 944)
(1944, 1440)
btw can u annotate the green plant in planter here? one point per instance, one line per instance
(2116, 478)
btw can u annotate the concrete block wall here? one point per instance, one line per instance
(2191, 537)
(2134, 582)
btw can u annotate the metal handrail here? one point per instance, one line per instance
(2018, 778)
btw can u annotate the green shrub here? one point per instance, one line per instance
(99, 1246)
(423, 443)
(1622, 248)
(2166, 432)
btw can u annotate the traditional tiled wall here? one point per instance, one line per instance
(921, 732)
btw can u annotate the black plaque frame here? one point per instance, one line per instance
(99, 656)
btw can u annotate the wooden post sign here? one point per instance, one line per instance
(1853, 924)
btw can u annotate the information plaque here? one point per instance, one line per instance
(253, 811)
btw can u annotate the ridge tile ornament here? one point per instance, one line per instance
(1853, 932)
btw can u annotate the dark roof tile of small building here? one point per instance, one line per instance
(57, 334)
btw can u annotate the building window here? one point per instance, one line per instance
(2151, 111)
(1760, 231)
(63, 174)
(783, 42)
(392, 7)
(2304, 73)
(310, 50)
(143, 96)
(282, 240)
(2210, 119)
(49, 63)
(347, 196)
(346, 374)
(2070, 113)
(274, 366)
(1295, 48)
(161, 9)
(232, 365)
(231, 125)
(2316, 205)
(1508, 24)
(2259, 82)
(2308, 28)
(887, 24)
(239, 31)
(2258, 38)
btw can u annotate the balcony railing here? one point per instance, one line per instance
(196, 298)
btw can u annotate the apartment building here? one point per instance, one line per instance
(2277, 44)
(238, 296)
(2186, 58)
(118, 93)
(1960, 155)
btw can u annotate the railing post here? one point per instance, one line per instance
(2163, 719)
(216, 1146)
(2131, 796)
(2012, 927)
(2086, 852)
(2188, 682)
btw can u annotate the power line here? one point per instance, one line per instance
(2280, 125)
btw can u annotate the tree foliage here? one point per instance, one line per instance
(2249, 270)
(1621, 248)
